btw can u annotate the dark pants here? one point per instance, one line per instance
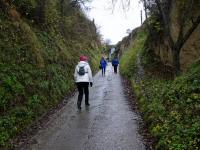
(83, 89)
(115, 68)
(103, 71)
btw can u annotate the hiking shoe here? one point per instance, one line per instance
(79, 105)
(87, 104)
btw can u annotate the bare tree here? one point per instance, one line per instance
(79, 3)
(107, 41)
(125, 4)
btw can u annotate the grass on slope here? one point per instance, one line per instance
(128, 61)
(37, 62)
(171, 108)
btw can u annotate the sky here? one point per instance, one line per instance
(113, 23)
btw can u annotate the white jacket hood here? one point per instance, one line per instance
(82, 63)
(87, 77)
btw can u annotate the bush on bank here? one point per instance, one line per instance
(171, 108)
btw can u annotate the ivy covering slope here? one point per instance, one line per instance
(171, 107)
(40, 43)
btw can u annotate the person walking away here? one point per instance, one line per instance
(103, 64)
(115, 63)
(83, 77)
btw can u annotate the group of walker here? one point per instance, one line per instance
(83, 77)
(103, 64)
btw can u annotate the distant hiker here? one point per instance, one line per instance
(103, 64)
(83, 77)
(115, 63)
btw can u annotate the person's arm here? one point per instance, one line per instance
(105, 62)
(90, 74)
(75, 74)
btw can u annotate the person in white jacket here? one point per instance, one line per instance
(83, 77)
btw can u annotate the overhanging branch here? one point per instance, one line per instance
(190, 31)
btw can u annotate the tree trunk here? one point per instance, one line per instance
(176, 60)
(145, 8)
(39, 12)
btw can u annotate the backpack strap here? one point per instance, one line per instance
(86, 71)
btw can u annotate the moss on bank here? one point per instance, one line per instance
(40, 44)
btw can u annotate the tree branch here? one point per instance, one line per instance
(189, 32)
(183, 19)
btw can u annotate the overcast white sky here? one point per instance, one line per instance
(113, 24)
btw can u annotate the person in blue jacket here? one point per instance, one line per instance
(103, 64)
(115, 63)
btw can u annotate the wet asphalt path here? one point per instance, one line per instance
(108, 124)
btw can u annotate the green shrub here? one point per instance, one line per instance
(37, 61)
(27, 7)
(170, 107)
(172, 110)
(128, 61)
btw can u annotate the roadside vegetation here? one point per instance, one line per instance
(170, 106)
(40, 43)
(168, 93)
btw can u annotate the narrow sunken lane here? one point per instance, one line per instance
(108, 124)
